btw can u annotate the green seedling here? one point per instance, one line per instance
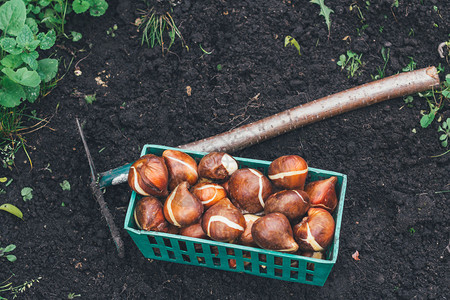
(382, 71)
(65, 185)
(380, 29)
(408, 101)
(111, 31)
(9, 248)
(411, 32)
(290, 41)
(325, 11)
(445, 133)
(153, 28)
(361, 30)
(204, 51)
(352, 62)
(6, 286)
(411, 65)
(26, 193)
(73, 296)
(395, 4)
(219, 67)
(90, 98)
(440, 68)
(355, 7)
(12, 210)
(412, 230)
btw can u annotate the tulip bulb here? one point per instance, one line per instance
(149, 215)
(209, 193)
(274, 232)
(195, 231)
(182, 208)
(181, 167)
(223, 222)
(315, 232)
(288, 172)
(246, 238)
(217, 166)
(292, 203)
(322, 193)
(148, 176)
(249, 189)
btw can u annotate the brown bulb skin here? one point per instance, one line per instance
(217, 166)
(181, 167)
(148, 176)
(315, 232)
(274, 232)
(223, 222)
(249, 189)
(209, 193)
(322, 193)
(149, 215)
(292, 203)
(195, 231)
(288, 172)
(182, 208)
(246, 238)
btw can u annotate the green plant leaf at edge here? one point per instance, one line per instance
(12, 210)
(23, 76)
(80, 6)
(426, 120)
(12, 17)
(325, 11)
(11, 93)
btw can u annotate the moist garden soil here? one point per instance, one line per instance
(396, 213)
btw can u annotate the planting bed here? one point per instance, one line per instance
(396, 212)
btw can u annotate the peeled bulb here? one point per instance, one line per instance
(322, 193)
(209, 193)
(149, 215)
(149, 176)
(249, 189)
(274, 232)
(246, 238)
(292, 203)
(223, 222)
(181, 167)
(288, 172)
(315, 232)
(217, 166)
(182, 208)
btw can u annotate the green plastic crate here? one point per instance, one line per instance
(217, 255)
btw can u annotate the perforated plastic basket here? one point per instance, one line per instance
(237, 258)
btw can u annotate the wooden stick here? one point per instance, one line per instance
(370, 93)
(367, 94)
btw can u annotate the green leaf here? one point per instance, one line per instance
(12, 61)
(11, 258)
(32, 93)
(12, 210)
(98, 8)
(446, 93)
(76, 36)
(48, 68)
(80, 6)
(325, 11)
(426, 120)
(65, 185)
(9, 248)
(10, 45)
(25, 37)
(11, 93)
(30, 59)
(12, 17)
(444, 143)
(447, 78)
(30, 22)
(47, 40)
(23, 76)
(44, 3)
(443, 137)
(26, 193)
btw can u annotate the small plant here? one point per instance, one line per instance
(442, 52)
(12, 210)
(219, 67)
(111, 31)
(382, 71)
(352, 62)
(153, 28)
(361, 30)
(16, 290)
(409, 100)
(290, 41)
(9, 248)
(90, 98)
(355, 7)
(412, 230)
(411, 66)
(26, 193)
(325, 11)
(380, 29)
(395, 4)
(65, 185)
(73, 296)
(445, 133)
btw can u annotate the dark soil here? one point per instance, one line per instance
(394, 215)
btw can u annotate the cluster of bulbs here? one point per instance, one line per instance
(215, 199)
